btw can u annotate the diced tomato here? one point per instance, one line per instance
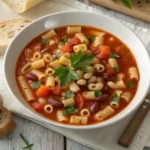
(68, 48)
(57, 90)
(79, 101)
(103, 52)
(74, 41)
(43, 91)
(110, 70)
(37, 106)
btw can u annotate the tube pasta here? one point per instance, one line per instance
(50, 81)
(64, 61)
(85, 113)
(95, 61)
(47, 58)
(126, 96)
(118, 92)
(25, 88)
(81, 82)
(93, 79)
(48, 108)
(91, 69)
(120, 84)
(79, 47)
(73, 30)
(104, 113)
(49, 34)
(96, 33)
(36, 56)
(99, 67)
(78, 120)
(114, 104)
(41, 76)
(74, 87)
(113, 62)
(89, 95)
(99, 79)
(133, 73)
(26, 68)
(38, 64)
(99, 40)
(60, 116)
(67, 102)
(82, 38)
(88, 75)
(55, 64)
(95, 86)
(120, 76)
(112, 85)
(49, 71)
(80, 74)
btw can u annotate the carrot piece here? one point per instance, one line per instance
(74, 41)
(79, 101)
(68, 48)
(43, 91)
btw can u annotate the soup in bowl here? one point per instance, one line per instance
(78, 75)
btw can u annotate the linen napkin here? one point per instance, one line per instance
(100, 139)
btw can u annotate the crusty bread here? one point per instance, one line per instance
(8, 29)
(20, 6)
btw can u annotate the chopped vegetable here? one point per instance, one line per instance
(74, 41)
(44, 41)
(114, 56)
(70, 110)
(69, 94)
(115, 98)
(43, 91)
(37, 106)
(131, 84)
(116, 68)
(84, 42)
(36, 84)
(66, 75)
(91, 38)
(127, 3)
(97, 93)
(68, 48)
(28, 146)
(79, 101)
(65, 38)
(57, 90)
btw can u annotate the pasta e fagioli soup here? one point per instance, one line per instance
(77, 75)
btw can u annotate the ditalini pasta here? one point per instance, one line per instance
(77, 75)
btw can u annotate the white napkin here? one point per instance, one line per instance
(100, 139)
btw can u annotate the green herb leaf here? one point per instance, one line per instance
(91, 38)
(84, 42)
(28, 146)
(65, 38)
(114, 56)
(62, 43)
(131, 84)
(115, 98)
(44, 41)
(70, 110)
(36, 84)
(127, 3)
(66, 75)
(116, 68)
(97, 93)
(69, 94)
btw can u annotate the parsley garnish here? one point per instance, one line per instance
(29, 146)
(115, 98)
(66, 75)
(69, 94)
(65, 38)
(114, 56)
(62, 43)
(70, 110)
(84, 42)
(97, 93)
(80, 61)
(36, 84)
(127, 3)
(116, 68)
(130, 84)
(44, 41)
(91, 38)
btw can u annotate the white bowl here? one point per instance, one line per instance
(80, 18)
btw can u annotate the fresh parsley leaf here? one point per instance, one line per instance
(97, 93)
(116, 68)
(91, 38)
(62, 43)
(131, 84)
(115, 98)
(28, 146)
(70, 110)
(127, 3)
(114, 56)
(65, 38)
(69, 94)
(44, 41)
(66, 75)
(36, 84)
(84, 42)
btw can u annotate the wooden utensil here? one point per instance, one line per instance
(130, 131)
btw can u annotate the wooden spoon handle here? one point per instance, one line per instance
(130, 131)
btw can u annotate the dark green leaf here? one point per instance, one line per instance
(70, 110)
(97, 93)
(69, 94)
(91, 38)
(44, 41)
(84, 42)
(36, 84)
(127, 3)
(65, 38)
(114, 56)
(28, 146)
(116, 68)
(131, 84)
(115, 98)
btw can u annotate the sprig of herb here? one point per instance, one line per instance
(114, 56)
(127, 3)
(28, 146)
(65, 38)
(62, 43)
(70, 110)
(84, 42)
(115, 98)
(36, 84)
(44, 41)
(116, 68)
(131, 84)
(97, 93)
(69, 94)
(91, 38)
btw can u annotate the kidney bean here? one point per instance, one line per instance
(31, 76)
(55, 102)
(103, 97)
(108, 76)
(94, 108)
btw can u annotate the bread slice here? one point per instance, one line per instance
(8, 29)
(20, 6)
(6, 122)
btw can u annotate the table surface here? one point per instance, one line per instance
(43, 138)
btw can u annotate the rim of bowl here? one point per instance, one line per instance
(91, 126)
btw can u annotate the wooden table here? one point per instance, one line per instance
(45, 139)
